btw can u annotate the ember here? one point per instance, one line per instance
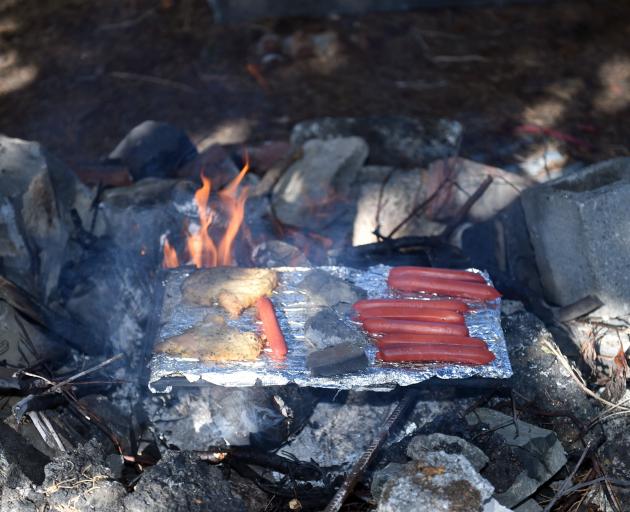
(201, 250)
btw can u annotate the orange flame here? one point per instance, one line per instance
(201, 249)
(170, 256)
(235, 204)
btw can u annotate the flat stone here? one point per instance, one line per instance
(341, 428)
(494, 506)
(468, 176)
(336, 360)
(326, 328)
(319, 182)
(537, 452)
(276, 253)
(581, 239)
(529, 506)
(324, 289)
(422, 444)
(399, 191)
(437, 481)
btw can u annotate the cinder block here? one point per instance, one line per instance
(579, 226)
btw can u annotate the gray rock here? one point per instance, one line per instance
(340, 430)
(23, 343)
(154, 149)
(326, 328)
(542, 379)
(81, 480)
(181, 482)
(494, 506)
(437, 481)
(580, 237)
(20, 463)
(337, 359)
(402, 192)
(108, 285)
(276, 253)
(398, 141)
(422, 444)
(529, 506)
(216, 415)
(614, 454)
(469, 175)
(535, 451)
(503, 243)
(311, 187)
(323, 289)
(37, 195)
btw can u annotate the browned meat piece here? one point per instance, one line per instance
(234, 288)
(213, 341)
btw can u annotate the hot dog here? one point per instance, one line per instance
(368, 305)
(271, 328)
(437, 273)
(450, 287)
(423, 315)
(429, 339)
(392, 325)
(435, 353)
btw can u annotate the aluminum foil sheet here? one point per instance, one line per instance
(292, 309)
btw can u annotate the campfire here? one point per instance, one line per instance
(201, 251)
(366, 313)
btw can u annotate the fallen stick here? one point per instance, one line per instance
(364, 461)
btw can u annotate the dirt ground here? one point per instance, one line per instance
(78, 75)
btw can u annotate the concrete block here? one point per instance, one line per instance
(580, 229)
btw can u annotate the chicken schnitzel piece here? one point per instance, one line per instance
(234, 288)
(213, 340)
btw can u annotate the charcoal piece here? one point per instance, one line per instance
(336, 360)
(154, 149)
(324, 289)
(325, 328)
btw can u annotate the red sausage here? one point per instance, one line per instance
(392, 325)
(424, 315)
(452, 287)
(365, 305)
(272, 331)
(435, 353)
(437, 273)
(429, 339)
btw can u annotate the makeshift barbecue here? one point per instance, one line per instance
(330, 327)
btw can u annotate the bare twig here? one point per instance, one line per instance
(419, 208)
(454, 59)
(565, 483)
(53, 432)
(562, 360)
(361, 465)
(76, 376)
(463, 211)
(126, 23)
(156, 80)
(379, 204)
